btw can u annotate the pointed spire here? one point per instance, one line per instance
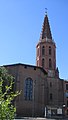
(46, 32)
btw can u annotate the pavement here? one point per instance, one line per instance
(30, 118)
(34, 119)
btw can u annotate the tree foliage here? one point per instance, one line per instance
(7, 95)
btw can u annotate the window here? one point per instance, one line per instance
(43, 50)
(49, 50)
(51, 96)
(38, 51)
(43, 61)
(34, 68)
(50, 84)
(25, 66)
(37, 63)
(54, 53)
(50, 63)
(66, 94)
(67, 112)
(66, 86)
(67, 103)
(28, 89)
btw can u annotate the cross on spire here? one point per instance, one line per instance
(46, 10)
(46, 31)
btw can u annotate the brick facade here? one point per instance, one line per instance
(36, 106)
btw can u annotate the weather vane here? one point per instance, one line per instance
(46, 11)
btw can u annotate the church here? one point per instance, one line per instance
(43, 92)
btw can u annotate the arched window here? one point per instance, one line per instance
(50, 63)
(37, 51)
(54, 53)
(43, 50)
(28, 89)
(49, 50)
(50, 84)
(43, 62)
(51, 96)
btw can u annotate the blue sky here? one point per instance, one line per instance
(20, 27)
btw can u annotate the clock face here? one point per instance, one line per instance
(50, 73)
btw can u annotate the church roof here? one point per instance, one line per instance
(26, 66)
(46, 31)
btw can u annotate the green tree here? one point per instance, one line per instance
(7, 95)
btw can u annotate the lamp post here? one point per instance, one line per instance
(64, 110)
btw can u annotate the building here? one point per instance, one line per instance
(32, 82)
(66, 96)
(41, 87)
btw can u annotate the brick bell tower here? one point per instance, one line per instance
(46, 50)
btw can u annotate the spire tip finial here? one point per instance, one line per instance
(46, 11)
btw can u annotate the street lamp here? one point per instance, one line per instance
(64, 110)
